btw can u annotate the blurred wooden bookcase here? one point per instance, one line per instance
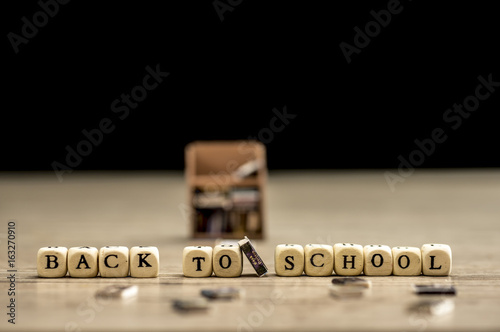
(226, 182)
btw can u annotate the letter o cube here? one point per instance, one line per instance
(197, 261)
(83, 262)
(348, 259)
(113, 261)
(52, 262)
(436, 259)
(378, 260)
(144, 262)
(406, 261)
(318, 260)
(227, 261)
(289, 260)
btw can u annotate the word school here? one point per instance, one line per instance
(226, 260)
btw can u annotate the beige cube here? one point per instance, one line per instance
(378, 260)
(227, 261)
(318, 260)
(289, 260)
(113, 261)
(348, 259)
(406, 261)
(52, 262)
(197, 261)
(144, 262)
(436, 259)
(83, 262)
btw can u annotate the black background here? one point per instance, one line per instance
(226, 77)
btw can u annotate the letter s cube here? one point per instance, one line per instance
(289, 260)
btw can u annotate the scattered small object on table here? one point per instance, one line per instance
(349, 287)
(118, 292)
(352, 281)
(223, 293)
(434, 289)
(433, 307)
(341, 291)
(191, 304)
(254, 258)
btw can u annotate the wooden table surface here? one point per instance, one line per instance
(459, 208)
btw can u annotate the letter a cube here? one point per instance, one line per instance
(83, 262)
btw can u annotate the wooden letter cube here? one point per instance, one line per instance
(197, 261)
(113, 262)
(228, 261)
(318, 260)
(436, 259)
(406, 261)
(52, 262)
(83, 262)
(144, 262)
(289, 260)
(348, 259)
(378, 260)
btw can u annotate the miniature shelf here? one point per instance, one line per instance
(226, 188)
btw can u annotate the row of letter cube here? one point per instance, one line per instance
(87, 262)
(349, 259)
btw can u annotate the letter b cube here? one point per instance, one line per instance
(51, 262)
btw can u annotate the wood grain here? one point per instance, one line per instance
(459, 208)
